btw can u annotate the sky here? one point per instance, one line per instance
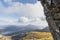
(22, 12)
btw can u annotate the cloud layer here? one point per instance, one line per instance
(24, 21)
(28, 14)
(33, 10)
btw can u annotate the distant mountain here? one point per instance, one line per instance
(12, 28)
(46, 29)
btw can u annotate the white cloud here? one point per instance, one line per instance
(33, 21)
(7, 21)
(29, 10)
(33, 10)
(23, 20)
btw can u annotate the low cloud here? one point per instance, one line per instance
(24, 21)
(33, 21)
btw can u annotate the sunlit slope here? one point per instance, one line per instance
(38, 36)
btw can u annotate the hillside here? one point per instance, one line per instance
(28, 36)
(46, 29)
(38, 36)
(12, 29)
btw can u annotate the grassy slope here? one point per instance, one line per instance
(38, 36)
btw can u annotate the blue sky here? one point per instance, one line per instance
(26, 1)
(22, 12)
(22, 1)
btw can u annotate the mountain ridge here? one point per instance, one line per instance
(12, 29)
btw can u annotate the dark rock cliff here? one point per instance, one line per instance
(52, 12)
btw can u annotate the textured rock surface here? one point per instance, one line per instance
(52, 12)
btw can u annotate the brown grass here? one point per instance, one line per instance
(38, 36)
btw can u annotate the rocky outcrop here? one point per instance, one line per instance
(52, 12)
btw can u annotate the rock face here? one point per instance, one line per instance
(52, 12)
